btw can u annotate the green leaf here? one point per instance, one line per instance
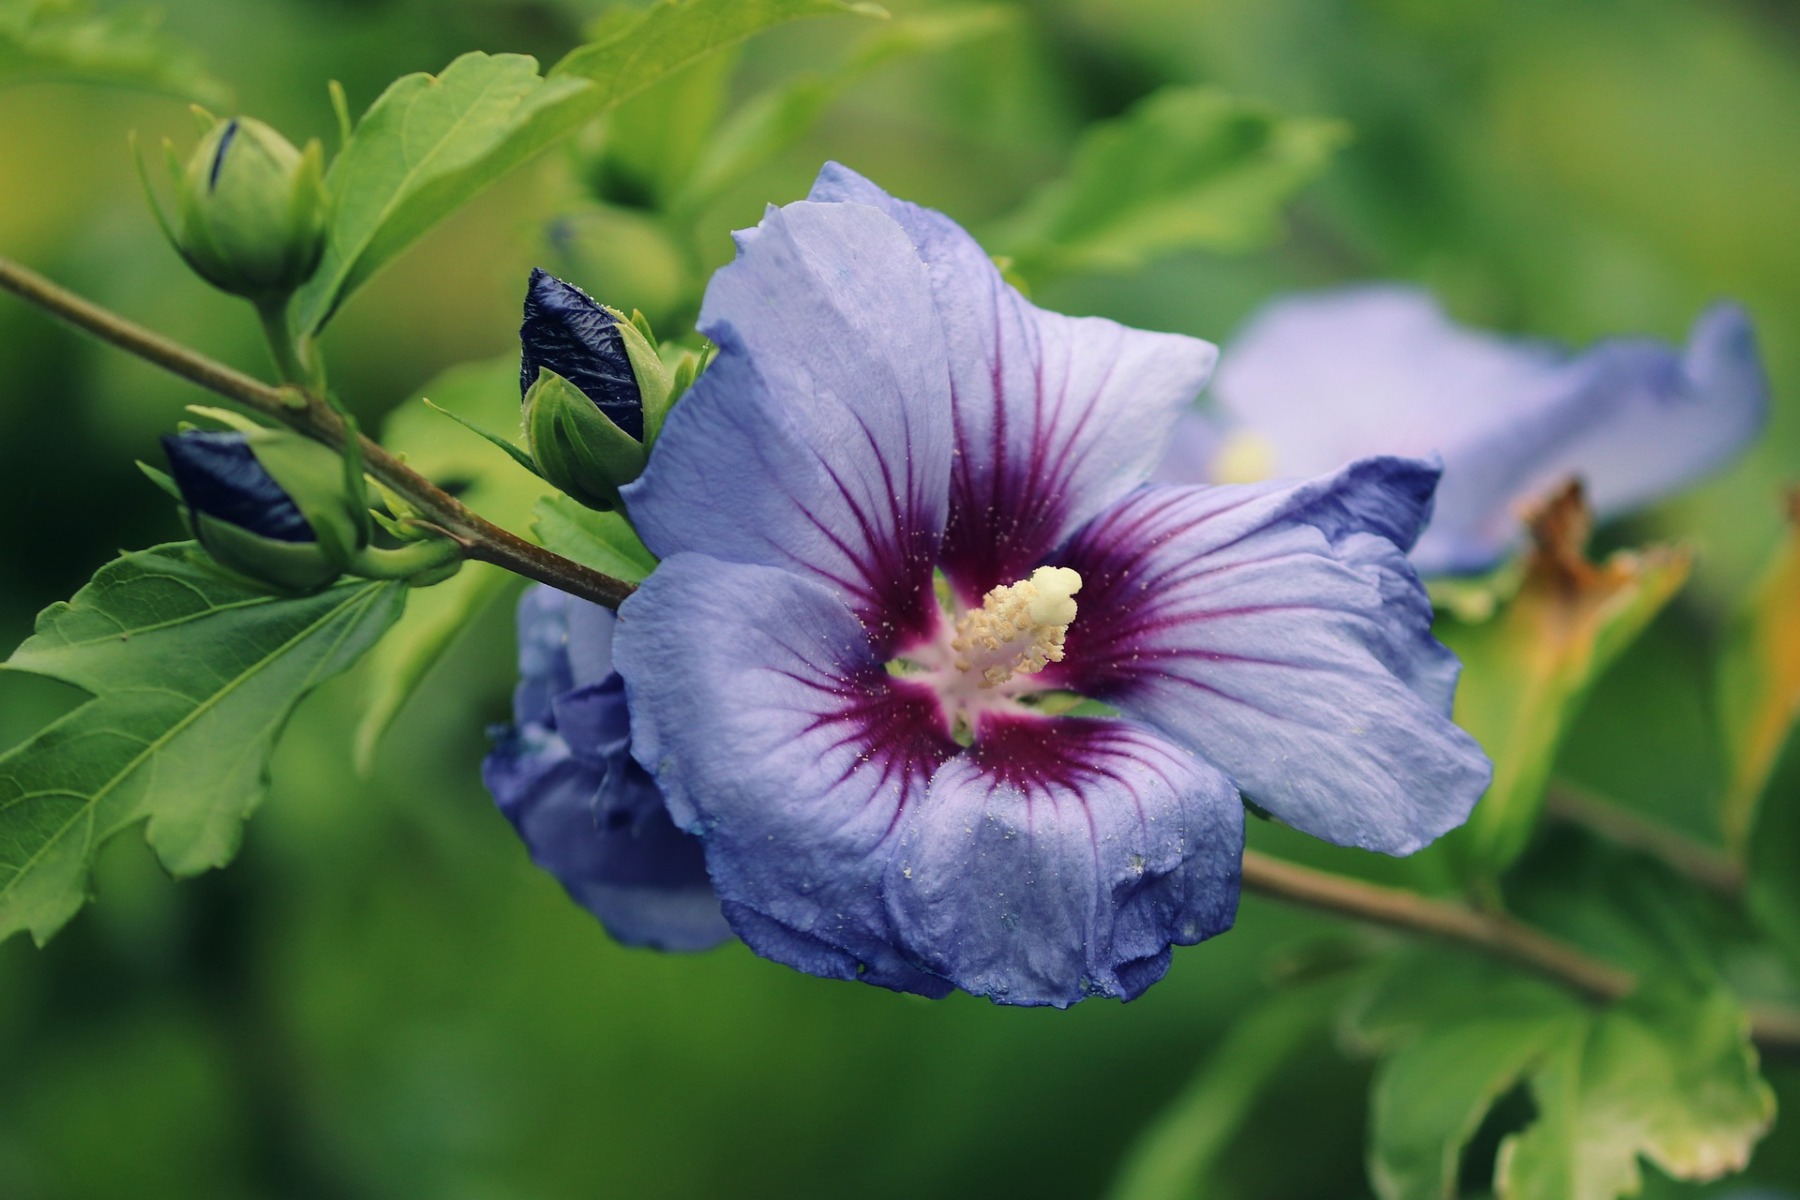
(430, 143)
(425, 146)
(1189, 168)
(1417, 993)
(1430, 1098)
(499, 442)
(1670, 1075)
(776, 119)
(673, 33)
(650, 143)
(485, 394)
(193, 675)
(67, 40)
(433, 620)
(604, 541)
(1173, 1158)
(1759, 685)
(1527, 670)
(656, 134)
(1548, 1158)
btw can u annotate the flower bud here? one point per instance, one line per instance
(251, 215)
(595, 391)
(268, 504)
(576, 447)
(565, 331)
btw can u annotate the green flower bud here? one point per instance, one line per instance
(269, 504)
(288, 512)
(251, 211)
(596, 390)
(578, 448)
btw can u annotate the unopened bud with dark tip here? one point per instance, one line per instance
(268, 505)
(595, 391)
(251, 211)
(567, 332)
(282, 509)
(219, 475)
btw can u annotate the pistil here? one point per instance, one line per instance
(1019, 628)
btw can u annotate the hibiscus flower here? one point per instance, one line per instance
(1315, 381)
(946, 696)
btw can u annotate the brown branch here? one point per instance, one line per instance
(1776, 1029)
(1494, 934)
(480, 538)
(1497, 935)
(1611, 820)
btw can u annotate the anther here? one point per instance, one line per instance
(1019, 628)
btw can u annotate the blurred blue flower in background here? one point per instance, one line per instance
(1316, 381)
(564, 775)
(861, 675)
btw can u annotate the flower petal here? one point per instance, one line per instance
(1652, 420)
(542, 623)
(1056, 416)
(587, 812)
(609, 843)
(777, 736)
(1278, 630)
(1060, 858)
(819, 439)
(1328, 378)
(1331, 377)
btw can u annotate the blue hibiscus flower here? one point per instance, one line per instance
(1316, 381)
(588, 813)
(947, 696)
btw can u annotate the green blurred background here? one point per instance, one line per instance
(381, 998)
